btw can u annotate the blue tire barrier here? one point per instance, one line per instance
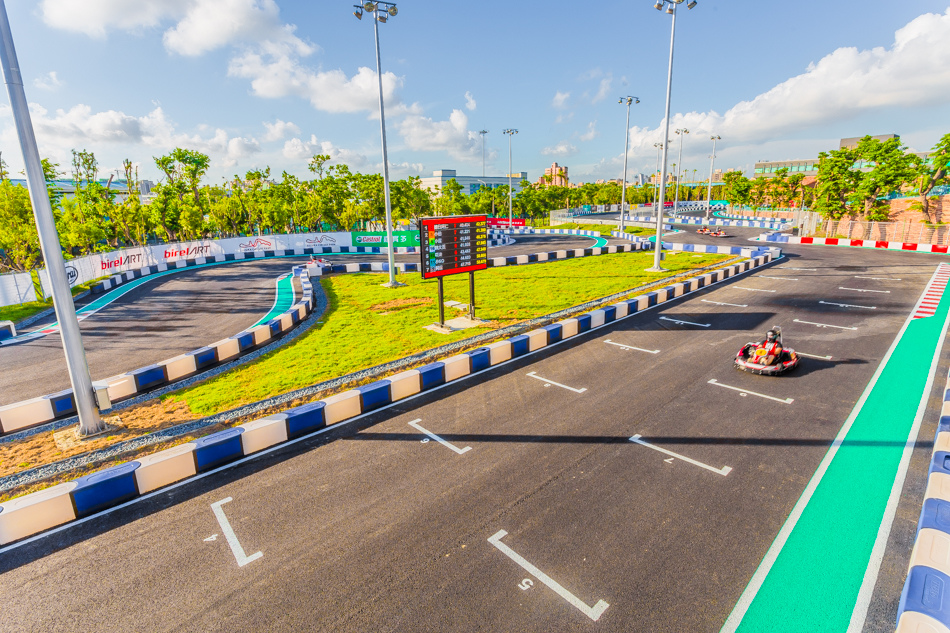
(927, 592)
(432, 375)
(148, 377)
(519, 345)
(554, 332)
(105, 489)
(305, 419)
(7, 330)
(374, 395)
(218, 449)
(63, 403)
(610, 313)
(480, 359)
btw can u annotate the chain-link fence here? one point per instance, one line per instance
(908, 232)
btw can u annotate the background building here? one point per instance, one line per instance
(555, 175)
(471, 184)
(809, 167)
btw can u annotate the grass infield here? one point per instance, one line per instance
(366, 325)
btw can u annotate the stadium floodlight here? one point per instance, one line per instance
(359, 14)
(658, 250)
(691, 4)
(712, 163)
(659, 5)
(510, 132)
(626, 145)
(390, 8)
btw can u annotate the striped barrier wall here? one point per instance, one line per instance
(776, 226)
(37, 512)
(841, 241)
(118, 279)
(924, 605)
(28, 413)
(754, 251)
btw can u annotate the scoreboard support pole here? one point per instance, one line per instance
(471, 296)
(441, 304)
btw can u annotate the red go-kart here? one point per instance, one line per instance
(752, 356)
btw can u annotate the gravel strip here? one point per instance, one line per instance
(129, 447)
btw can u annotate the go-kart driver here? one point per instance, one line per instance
(769, 350)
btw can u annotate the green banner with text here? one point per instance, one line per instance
(401, 238)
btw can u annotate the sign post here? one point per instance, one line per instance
(453, 245)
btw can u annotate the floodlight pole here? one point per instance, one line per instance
(626, 144)
(90, 422)
(510, 132)
(483, 133)
(712, 163)
(682, 132)
(658, 251)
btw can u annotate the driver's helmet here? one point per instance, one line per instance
(771, 335)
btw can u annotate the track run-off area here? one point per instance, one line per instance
(627, 479)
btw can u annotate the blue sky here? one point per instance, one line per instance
(258, 83)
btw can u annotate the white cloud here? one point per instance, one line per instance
(591, 132)
(560, 99)
(913, 72)
(50, 81)
(297, 149)
(452, 136)
(278, 130)
(561, 150)
(604, 88)
(470, 101)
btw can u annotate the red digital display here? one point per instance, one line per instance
(453, 244)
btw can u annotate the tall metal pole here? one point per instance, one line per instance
(658, 251)
(510, 132)
(626, 145)
(656, 168)
(76, 365)
(712, 163)
(483, 133)
(679, 162)
(391, 251)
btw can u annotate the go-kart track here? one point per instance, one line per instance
(180, 312)
(628, 479)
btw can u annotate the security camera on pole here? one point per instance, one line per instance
(90, 423)
(670, 9)
(626, 144)
(380, 11)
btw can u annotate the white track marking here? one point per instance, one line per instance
(837, 327)
(415, 425)
(847, 305)
(752, 289)
(878, 278)
(884, 292)
(679, 322)
(813, 356)
(628, 347)
(236, 549)
(720, 303)
(744, 392)
(557, 384)
(783, 278)
(593, 613)
(725, 470)
(790, 268)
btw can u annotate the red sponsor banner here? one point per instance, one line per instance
(504, 222)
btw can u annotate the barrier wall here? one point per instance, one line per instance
(16, 288)
(924, 605)
(46, 509)
(835, 241)
(775, 226)
(36, 411)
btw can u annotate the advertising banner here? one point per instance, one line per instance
(83, 269)
(16, 288)
(504, 222)
(378, 238)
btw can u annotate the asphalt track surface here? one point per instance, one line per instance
(178, 313)
(374, 526)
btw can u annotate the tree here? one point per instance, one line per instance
(837, 178)
(932, 172)
(19, 241)
(891, 167)
(738, 188)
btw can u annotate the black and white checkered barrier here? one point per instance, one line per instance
(21, 415)
(37, 512)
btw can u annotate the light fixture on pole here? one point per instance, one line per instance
(626, 143)
(380, 10)
(712, 163)
(671, 9)
(483, 133)
(90, 423)
(679, 169)
(510, 132)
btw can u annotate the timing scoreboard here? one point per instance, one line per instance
(453, 244)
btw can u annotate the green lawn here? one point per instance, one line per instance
(603, 229)
(18, 312)
(366, 325)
